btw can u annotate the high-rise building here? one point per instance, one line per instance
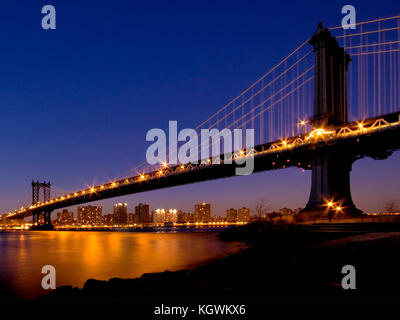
(202, 212)
(158, 215)
(142, 213)
(65, 217)
(244, 214)
(120, 213)
(171, 215)
(109, 219)
(131, 218)
(90, 215)
(232, 215)
(184, 217)
(165, 215)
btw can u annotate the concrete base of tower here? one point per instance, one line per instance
(322, 212)
(42, 227)
(330, 196)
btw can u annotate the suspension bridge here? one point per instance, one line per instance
(333, 100)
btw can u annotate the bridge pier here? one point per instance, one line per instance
(47, 218)
(330, 194)
(37, 224)
(42, 225)
(35, 218)
(330, 185)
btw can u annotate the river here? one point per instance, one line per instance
(81, 255)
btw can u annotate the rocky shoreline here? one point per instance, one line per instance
(278, 262)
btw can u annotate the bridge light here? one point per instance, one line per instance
(182, 167)
(75, 194)
(113, 184)
(165, 164)
(338, 208)
(92, 190)
(329, 204)
(102, 187)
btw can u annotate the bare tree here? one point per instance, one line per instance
(390, 206)
(261, 207)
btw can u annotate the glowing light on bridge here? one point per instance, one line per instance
(317, 133)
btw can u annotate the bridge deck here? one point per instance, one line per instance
(375, 137)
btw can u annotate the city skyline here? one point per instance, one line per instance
(142, 215)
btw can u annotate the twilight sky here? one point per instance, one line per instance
(76, 102)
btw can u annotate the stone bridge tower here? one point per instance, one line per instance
(330, 168)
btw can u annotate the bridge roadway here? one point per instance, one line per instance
(375, 137)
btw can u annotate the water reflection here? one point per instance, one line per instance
(78, 256)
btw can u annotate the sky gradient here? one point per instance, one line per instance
(76, 102)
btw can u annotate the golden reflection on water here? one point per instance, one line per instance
(78, 256)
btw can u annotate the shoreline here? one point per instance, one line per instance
(279, 262)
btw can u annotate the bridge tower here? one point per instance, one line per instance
(330, 168)
(36, 187)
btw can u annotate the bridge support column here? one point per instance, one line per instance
(36, 223)
(45, 224)
(330, 186)
(47, 217)
(330, 195)
(35, 218)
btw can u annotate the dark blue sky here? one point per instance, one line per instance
(76, 102)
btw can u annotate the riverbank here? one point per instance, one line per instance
(280, 262)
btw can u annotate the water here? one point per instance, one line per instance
(78, 256)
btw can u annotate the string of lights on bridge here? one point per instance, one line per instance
(314, 136)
